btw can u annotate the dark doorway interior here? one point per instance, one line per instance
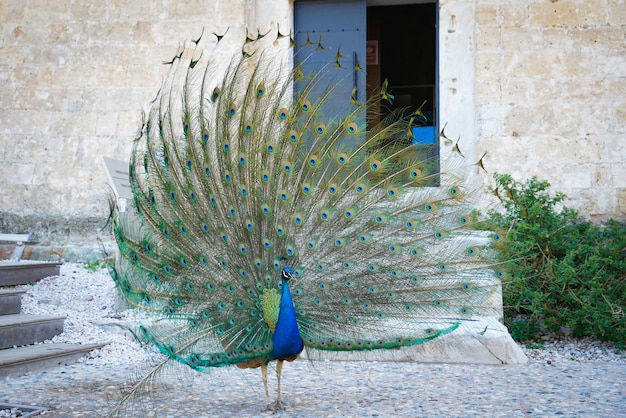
(406, 48)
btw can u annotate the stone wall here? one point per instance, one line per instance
(551, 96)
(539, 84)
(76, 77)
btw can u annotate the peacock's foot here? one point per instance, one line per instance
(276, 406)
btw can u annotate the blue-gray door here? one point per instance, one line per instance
(333, 35)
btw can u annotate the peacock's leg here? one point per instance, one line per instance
(264, 376)
(279, 370)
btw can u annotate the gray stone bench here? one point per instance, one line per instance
(117, 171)
(19, 240)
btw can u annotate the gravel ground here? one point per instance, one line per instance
(565, 378)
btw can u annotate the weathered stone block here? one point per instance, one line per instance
(490, 115)
(90, 10)
(617, 11)
(12, 10)
(600, 39)
(573, 177)
(521, 39)
(144, 32)
(556, 64)
(488, 38)
(74, 123)
(621, 200)
(487, 15)
(515, 92)
(488, 64)
(583, 90)
(502, 149)
(610, 153)
(576, 118)
(109, 33)
(619, 124)
(16, 173)
(542, 92)
(189, 10)
(4, 147)
(618, 175)
(59, 33)
(590, 204)
(568, 13)
(526, 120)
(515, 14)
(23, 33)
(106, 124)
(28, 122)
(613, 65)
(111, 75)
(128, 124)
(133, 11)
(568, 151)
(616, 87)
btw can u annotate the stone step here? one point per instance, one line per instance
(24, 272)
(21, 411)
(18, 329)
(10, 301)
(21, 360)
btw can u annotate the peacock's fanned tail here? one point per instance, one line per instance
(240, 171)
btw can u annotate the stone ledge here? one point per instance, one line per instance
(32, 358)
(24, 272)
(483, 341)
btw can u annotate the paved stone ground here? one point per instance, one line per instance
(339, 389)
(567, 378)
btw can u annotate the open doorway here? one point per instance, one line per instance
(396, 42)
(401, 47)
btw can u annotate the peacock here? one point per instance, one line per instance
(273, 214)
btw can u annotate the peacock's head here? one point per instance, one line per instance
(287, 273)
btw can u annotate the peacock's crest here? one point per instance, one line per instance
(264, 221)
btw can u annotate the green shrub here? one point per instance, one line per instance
(94, 265)
(562, 271)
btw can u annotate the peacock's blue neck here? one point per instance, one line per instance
(286, 338)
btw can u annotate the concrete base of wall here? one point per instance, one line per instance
(483, 341)
(71, 254)
(57, 238)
